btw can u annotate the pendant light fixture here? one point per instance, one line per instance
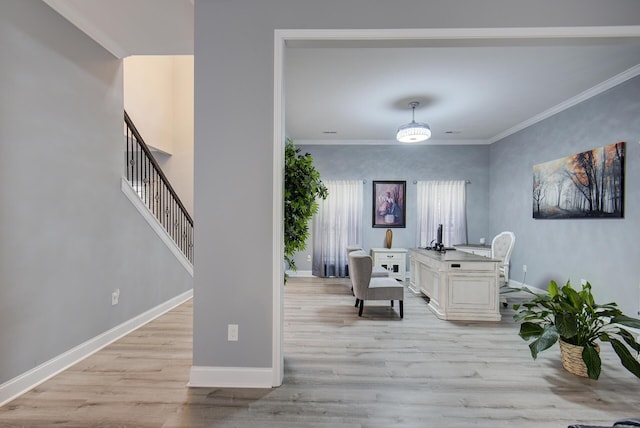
(413, 132)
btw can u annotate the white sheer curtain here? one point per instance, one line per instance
(337, 224)
(441, 202)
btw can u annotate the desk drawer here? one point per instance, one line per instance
(471, 266)
(387, 257)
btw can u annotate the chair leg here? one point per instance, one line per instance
(361, 307)
(357, 301)
(401, 309)
(392, 303)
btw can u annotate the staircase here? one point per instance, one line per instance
(152, 186)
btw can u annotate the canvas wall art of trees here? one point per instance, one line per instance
(584, 185)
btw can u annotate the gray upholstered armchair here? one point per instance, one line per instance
(376, 271)
(366, 287)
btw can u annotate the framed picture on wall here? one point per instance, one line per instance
(584, 185)
(389, 203)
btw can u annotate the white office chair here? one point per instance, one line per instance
(501, 249)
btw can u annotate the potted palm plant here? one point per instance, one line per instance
(573, 318)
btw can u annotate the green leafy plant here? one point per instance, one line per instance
(573, 317)
(302, 186)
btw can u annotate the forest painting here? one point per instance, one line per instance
(585, 185)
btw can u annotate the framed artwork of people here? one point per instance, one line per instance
(389, 203)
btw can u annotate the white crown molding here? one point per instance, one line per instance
(430, 142)
(589, 93)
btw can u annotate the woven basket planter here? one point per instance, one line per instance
(572, 358)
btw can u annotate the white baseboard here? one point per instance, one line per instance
(230, 377)
(300, 273)
(518, 284)
(37, 375)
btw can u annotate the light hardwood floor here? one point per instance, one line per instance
(340, 371)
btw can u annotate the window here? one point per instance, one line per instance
(337, 224)
(441, 202)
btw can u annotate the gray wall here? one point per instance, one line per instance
(234, 90)
(603, 251)
(408, 163)
(68, 236)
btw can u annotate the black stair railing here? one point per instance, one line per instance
(155, 191)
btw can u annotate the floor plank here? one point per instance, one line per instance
(341, 371)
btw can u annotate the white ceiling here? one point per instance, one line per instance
(470, 91)
(468, 94)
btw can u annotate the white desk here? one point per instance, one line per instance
(460, 285)
(481, 250)
(394, 260)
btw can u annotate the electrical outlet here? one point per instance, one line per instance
(232, 332)
(115, 297)
(308, 257)
(524, 268)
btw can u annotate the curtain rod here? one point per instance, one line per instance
(416, 181)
